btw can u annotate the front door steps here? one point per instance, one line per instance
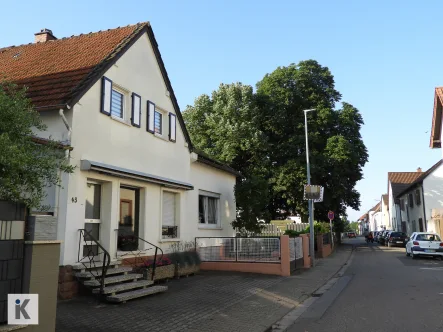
(121, 284)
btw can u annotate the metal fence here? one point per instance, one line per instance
(236, 249)
(278, 230)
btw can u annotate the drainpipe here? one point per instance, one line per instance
(424, 208)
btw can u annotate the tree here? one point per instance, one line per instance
(224, 126)
(337, 152)
(26, 168)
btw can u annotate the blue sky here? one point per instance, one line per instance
(385, 56)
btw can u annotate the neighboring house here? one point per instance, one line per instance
(374, 215)
(108, 96)
(421, 197)
(436, 130)
(363, 223)
(385, 220)
(397, 182)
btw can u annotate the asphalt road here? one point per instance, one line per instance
(382, 290)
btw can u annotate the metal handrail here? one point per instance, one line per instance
(153, 245)
(106, 257)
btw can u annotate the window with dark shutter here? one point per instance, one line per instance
(417, 197)
(106, 96)
(158, 122)
(410, 201)
(172, 127)
(136, 110)
(150, 120)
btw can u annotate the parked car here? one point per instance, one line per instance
(376, 235)
(424, 244)
(351, 234)
(397, 239)
(386, 237)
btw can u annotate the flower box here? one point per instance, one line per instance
(161, 272)
(186, 269)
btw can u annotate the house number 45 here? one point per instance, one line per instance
(74, 199)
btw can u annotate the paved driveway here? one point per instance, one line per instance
(187, 301)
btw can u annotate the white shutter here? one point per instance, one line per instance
(136, 110)
(172, 127)
(168, 212)
(151, 110)
(106, 96)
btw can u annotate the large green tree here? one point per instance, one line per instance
(262, 135)
(337, 152)
(26, 168)
(225, 126)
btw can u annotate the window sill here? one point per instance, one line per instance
(120, 120)
(210, 227)
(161, 137)
(170, 240)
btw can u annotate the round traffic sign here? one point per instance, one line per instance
(330, 215)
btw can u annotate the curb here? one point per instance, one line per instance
(289, 319)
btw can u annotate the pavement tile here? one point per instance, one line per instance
(210, 301)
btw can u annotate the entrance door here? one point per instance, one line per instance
(92, 220)
(128, 225)
(420, 224)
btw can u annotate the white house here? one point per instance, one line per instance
(421, 197)
(385, 218)
(397, 182)
(107, 95)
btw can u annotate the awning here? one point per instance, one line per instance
(88, 165)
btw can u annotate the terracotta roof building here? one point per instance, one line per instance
(401, 180)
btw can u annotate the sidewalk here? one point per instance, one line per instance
(212, 301)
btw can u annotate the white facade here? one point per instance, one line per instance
(112, 201)
(413, 210)
(433, 197)
(386, 220)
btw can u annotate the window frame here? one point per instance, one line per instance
(126, 114)
(177, 220)
(417, 197)
(206, 195)
(411, 200)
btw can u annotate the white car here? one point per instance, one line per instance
(424, 243)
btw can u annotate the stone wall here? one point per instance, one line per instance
(42, 228)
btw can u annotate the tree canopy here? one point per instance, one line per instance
(26, 168)
(262, 135)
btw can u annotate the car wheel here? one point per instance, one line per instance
(413, 256)
(407, 254)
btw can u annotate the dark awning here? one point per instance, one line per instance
(88, 165)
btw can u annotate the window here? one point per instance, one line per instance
(208, 210)
(93, 197)
(417, 197)
(117, 104)
(402, 204)
(169, 215)
(158, 122)
(427, 237)
(410, 201)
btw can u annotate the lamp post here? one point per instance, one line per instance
(310, 201)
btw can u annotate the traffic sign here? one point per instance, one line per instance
(330, 215)
(314, 193)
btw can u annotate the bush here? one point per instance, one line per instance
(320, 228)
(293, 233)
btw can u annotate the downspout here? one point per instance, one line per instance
(424, 208)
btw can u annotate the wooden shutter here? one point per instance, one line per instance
(151, 111)
(106, 96)
(168, 212)
(136, 110)
(172, 127)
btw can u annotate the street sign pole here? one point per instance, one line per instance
(331, 217)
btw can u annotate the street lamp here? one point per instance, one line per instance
(310, 201)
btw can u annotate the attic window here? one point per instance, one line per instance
(15, 56)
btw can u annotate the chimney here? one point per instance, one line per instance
(419, 169)
(43, 36)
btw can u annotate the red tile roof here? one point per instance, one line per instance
(54, 71)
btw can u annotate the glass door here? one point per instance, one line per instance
(92, 220)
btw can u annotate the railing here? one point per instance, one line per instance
(236, 249)
(91, 255)
(278, 230)
(136, 256)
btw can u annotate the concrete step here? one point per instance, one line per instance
(98, 272)
(94, 265)
(124, 286)
(113, 280)
(123, 297)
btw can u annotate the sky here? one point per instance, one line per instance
(385, 57)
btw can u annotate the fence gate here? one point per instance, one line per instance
(11, 262)
(296, 252)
